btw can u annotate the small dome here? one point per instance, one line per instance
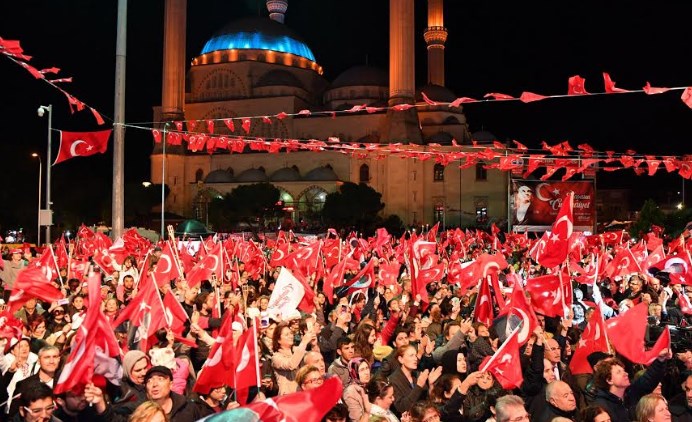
(361, 76)
(258, 34)
(286, 174)
(279, 77)
(252, 175)
(325, 173)
(483, 137)
(442, 138)
(219, 176)
(436, 93)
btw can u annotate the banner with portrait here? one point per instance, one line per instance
(534, 204)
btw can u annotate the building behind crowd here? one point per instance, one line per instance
(259, 66)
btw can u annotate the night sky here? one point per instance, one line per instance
(509, 49)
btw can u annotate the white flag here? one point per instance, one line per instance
(287, 294)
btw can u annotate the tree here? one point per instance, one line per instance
(353, 206)
(249, 204)
(394, 225)
(649, 214)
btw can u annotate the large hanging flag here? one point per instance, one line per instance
(82, 144)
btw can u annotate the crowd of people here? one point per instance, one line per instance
(399, 356)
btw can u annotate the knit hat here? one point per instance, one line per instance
(132, 357)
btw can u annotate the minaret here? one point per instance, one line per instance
(277, 9)
(402, 83)
(173, 90)
(435, 36)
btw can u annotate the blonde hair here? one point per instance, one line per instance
(647, 406)
(145, 411)
(303, 372)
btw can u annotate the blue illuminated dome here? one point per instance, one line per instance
(258, 34)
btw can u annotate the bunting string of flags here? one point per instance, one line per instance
(13, 51)
(518, 159)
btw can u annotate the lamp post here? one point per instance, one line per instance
(38, 227)
(41, 111)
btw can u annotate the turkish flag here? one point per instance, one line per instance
(624, 263)
(593, 339)
(145, 312)
(610, 87)
(217, 368)
(94, 349)
(46, 263)
(246, 359)
(576, 86)
(174, 313)
(82, 144)
(627, 332)
(484, 304)
(505, 364)
(518, 307)
(167, 266)
(335, 277)
(279, 254)
(547, 295)
(32, 282)
(211, 263)
(301, 406)
(557, 243)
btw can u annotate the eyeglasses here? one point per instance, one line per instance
(48, 409)
(314, 381)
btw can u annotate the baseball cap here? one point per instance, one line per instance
(158, 370)
(17, 250)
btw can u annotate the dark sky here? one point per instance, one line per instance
(509, 49)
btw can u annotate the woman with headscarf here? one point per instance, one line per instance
(355, 397)
(132, 388)
(18, 365)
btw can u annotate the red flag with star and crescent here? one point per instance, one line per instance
(593, 339)
(557, 243)
(505, 364)
(82, 144)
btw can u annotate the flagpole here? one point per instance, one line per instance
(55, 261)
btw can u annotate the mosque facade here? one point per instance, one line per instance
(260, 67)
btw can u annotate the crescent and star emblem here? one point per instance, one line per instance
(73, 147)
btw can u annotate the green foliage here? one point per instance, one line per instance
(675, 222)
(649, 214)
(249, 204)
(353, 207)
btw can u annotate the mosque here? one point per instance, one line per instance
(259, 66)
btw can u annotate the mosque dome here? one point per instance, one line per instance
(325, 173)
(361, 76)
(286, 174)
(258, 34)
(219, 176)
(252, 176)
(483, 137)
(435, 93)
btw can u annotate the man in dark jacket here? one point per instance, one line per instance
(614, 391)
(158, 381)
(681, 405)
(559, 401)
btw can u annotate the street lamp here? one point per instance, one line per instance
(41, 111)
(38, 228)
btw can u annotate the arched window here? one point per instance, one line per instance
(199, 175)
(364, 173)
(481, 171)
(438, 172)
